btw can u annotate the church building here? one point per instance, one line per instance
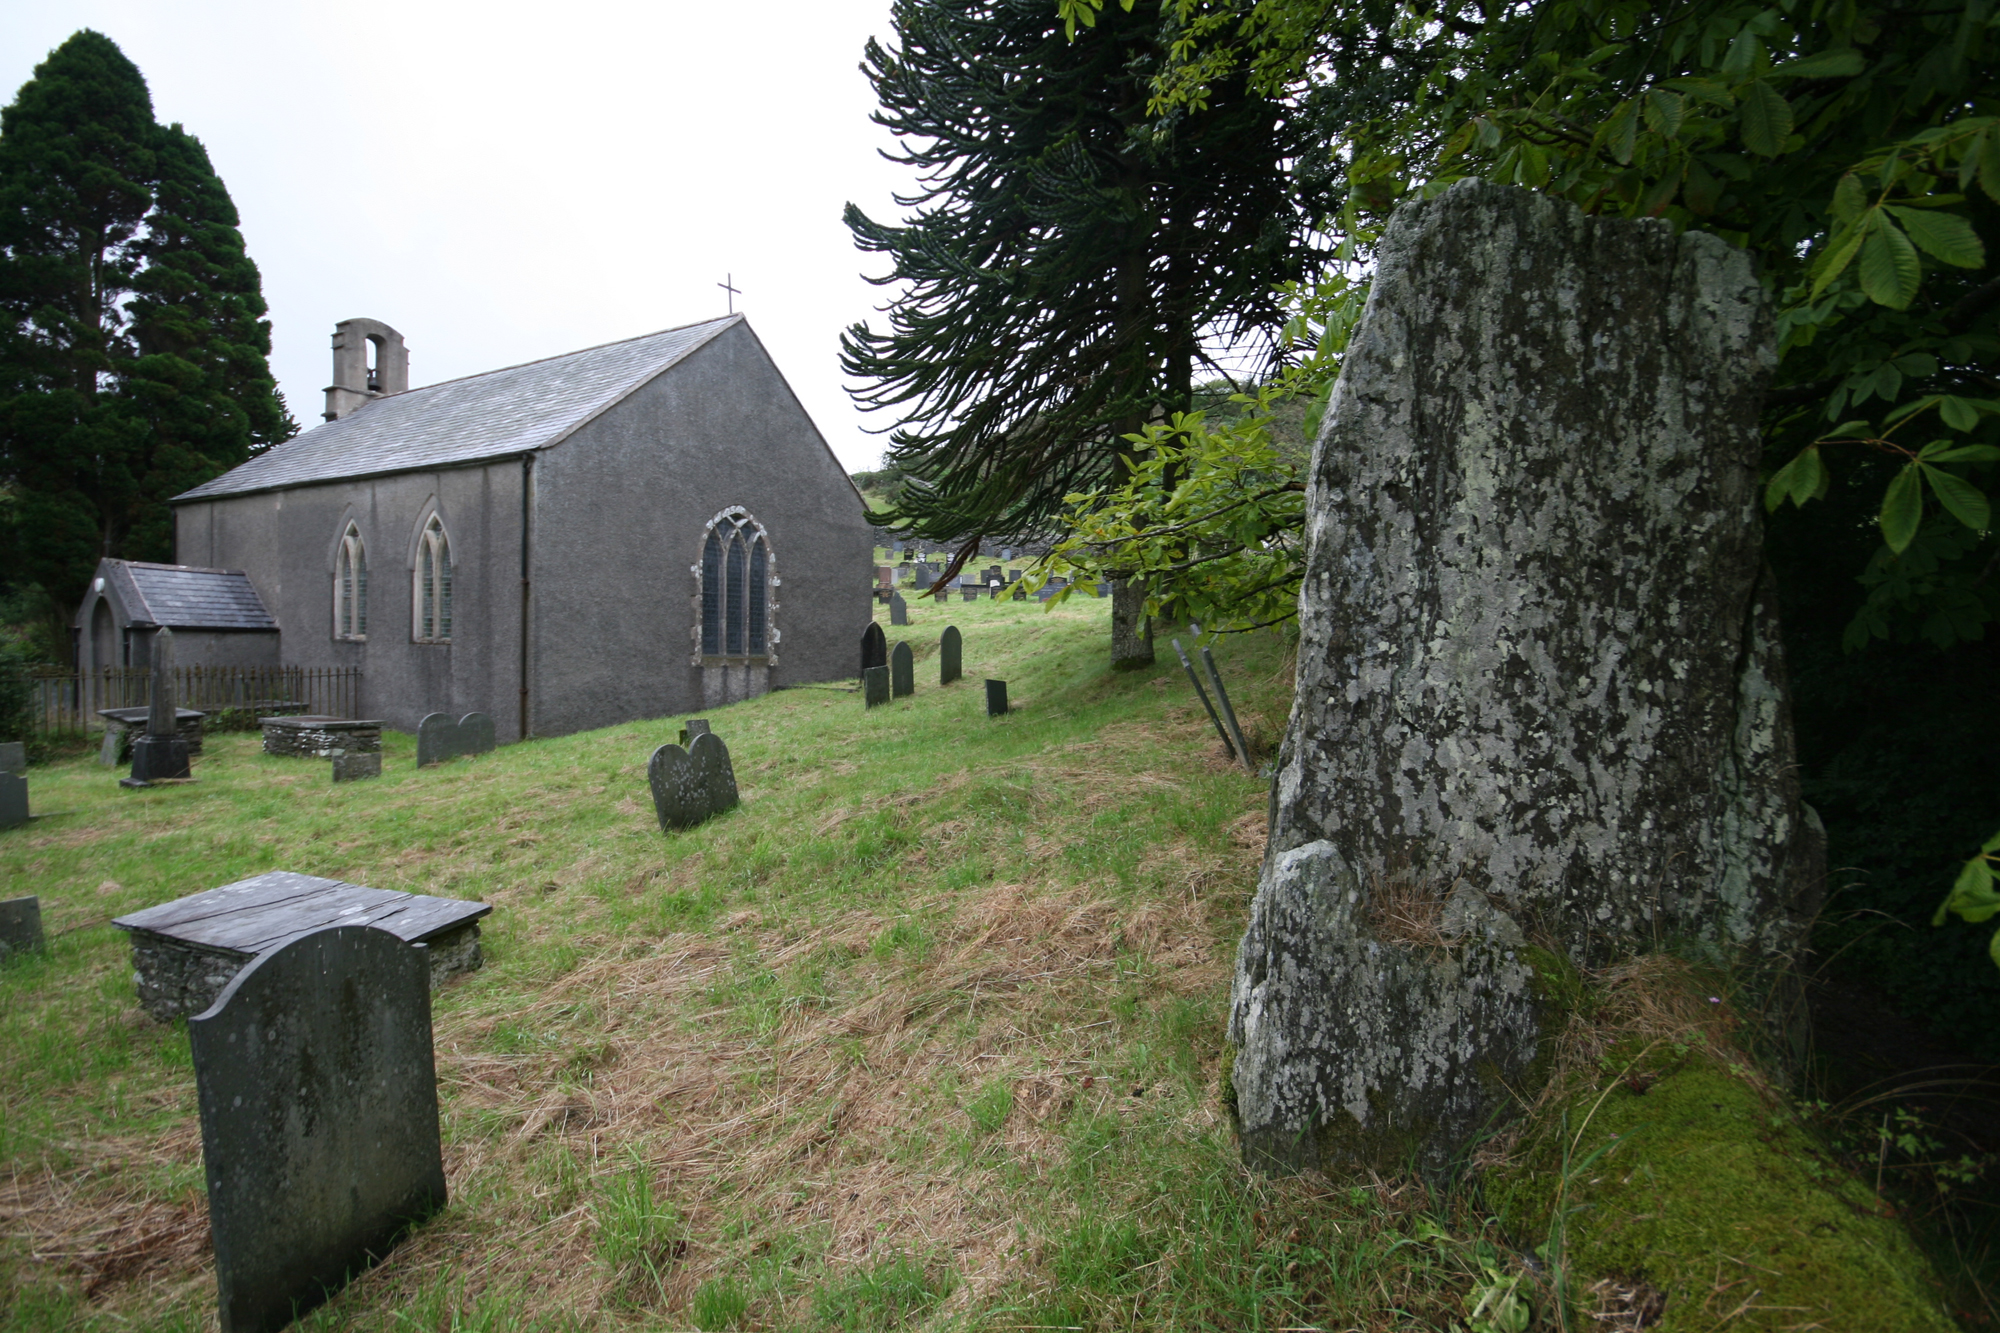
(635, 530)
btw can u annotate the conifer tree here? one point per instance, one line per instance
(133, 354)
(1066, 257)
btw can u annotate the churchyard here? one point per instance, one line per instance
(927, 1033)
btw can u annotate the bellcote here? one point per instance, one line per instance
(369, 361)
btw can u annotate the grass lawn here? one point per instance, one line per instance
(927, 1034)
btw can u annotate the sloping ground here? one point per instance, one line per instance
(927, 1034)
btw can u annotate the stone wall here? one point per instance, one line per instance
(320, 738)
(176, 979)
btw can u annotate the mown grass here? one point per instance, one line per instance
(927, 1034)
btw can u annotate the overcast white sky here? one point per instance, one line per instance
(502, 181)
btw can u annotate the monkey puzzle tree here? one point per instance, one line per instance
(1067, 257)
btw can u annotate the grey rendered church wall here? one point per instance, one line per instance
(286, 540)
(226, 648)
(621, 507)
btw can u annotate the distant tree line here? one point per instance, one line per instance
(134, 351)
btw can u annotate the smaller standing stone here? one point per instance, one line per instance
(899, 610)
(874, 647)
(996, 698)
(875, 686)
(902, 671)
(13, 801)
(697, 726)
(160, 755)
(20, 926)
(691, 785)
(951, 655)
(440, 739)
(356, 766)
(14, 758)
(319, 1118)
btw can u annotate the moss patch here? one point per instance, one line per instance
(1680, 1172)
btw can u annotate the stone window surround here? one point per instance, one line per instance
(350, 558)
(754, 532)
(430, 551)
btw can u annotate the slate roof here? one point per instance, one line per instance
(186, 597)
(494, 415)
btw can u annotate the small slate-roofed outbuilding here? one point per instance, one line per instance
(216, 615)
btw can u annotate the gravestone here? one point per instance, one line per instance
(20, 925)
(691, 785)
(874, 648)
(319, 1118)
(697, 726)
(315, 736)
(122, 726)
(1537, 690)
(13, 801)
(951, 655)
(968, 593)
(439, 738)
(899, 610)
(902, 671)
(875, 686)
(355, 766)
(1103, 588)
(996, 698)
(14, 758)
(160, 755)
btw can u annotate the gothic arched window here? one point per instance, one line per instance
(431, 595)
(350, 587)
(735, 588)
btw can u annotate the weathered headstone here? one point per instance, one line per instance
(13, 801)
(951, 655)
(14, 758)
(874, 647)
(697, 726)
(899, 610)
(968, 593)
(902, 671)
(439, 738)
(1539, 676)
(354, 766)
(160, 755)
(319, 1118)
(875, 686)
(691, 785)
(996, 698)
(20, 925)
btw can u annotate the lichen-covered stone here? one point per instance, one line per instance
(1540, 692)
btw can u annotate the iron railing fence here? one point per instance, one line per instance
(68, 701)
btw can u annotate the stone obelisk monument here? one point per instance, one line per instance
(160, 753)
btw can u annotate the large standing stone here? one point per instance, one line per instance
(874, 647)
(691, 785)
(1540, 694)
(439, 738)
(319, 1118)
(13, 801)
(951, 655)
(902, 671)
(20, 925)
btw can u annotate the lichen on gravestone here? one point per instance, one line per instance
(1541, 700)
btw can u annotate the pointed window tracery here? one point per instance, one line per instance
(350, 587)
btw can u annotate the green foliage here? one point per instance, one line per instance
(1855, 151)
(1065, 257)
(133, 348)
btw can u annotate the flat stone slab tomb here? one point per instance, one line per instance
(314, 737)
(184, 952)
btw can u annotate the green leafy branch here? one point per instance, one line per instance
(1976, 894)
(1806, 476)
